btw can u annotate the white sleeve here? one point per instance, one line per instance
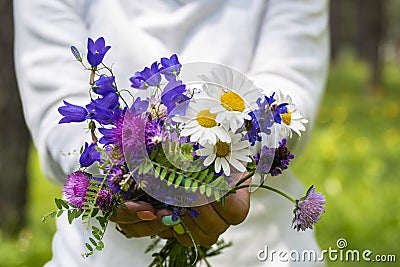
(292, 53)
(47, 73)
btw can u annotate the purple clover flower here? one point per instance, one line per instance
(308, 210)
(96, 51)
(72, 113)
(89, 155)
(281, 159)
(104, 199)
(170, 67)
(76, 187)
(104, 85)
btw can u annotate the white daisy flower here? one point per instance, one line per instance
(235, 94)
(225, 154)
(201, 125)
(292, 120)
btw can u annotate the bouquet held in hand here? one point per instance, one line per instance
(183, 136)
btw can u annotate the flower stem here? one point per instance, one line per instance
(269, 188)
(245, 178)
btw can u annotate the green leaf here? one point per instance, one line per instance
(208, 191)
(171, 177)
(58, 204)
(209, 178)
(89, 247)
(59, 213)
(188, 183)
(216, 194)
(202, 176)
(202, 189)
(148, 167)
(94, 212)
(158, 170)
(178, 181)
(163, 174)
(93, 241)
(100, 246)
(71, 216)
(140, 170)
(95, 229)
(194, 186)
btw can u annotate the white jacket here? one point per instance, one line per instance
(279, 44)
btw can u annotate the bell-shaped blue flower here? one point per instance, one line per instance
(96, 51)
(173, 97)
(151, 76)
(104, 85)
(89, 155)
(72, 113)
(170, 67)
(147, 77)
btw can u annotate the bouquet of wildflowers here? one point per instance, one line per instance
(173, 140)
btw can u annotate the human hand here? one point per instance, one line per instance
(214, 219)
(139, 219)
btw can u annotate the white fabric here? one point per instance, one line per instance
(280, 44)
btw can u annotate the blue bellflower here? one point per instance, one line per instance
(72, 113)
(89, 155)
(139, 106)
(174, 99)
(137, 81)
(147, 77)
(104, 85)
(170, 67)
(103, 109)
(96, 51)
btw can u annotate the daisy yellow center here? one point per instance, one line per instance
(223, 149)
(206, 119)
(232, 101)
(287, 118)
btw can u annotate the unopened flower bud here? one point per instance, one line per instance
(76, 53)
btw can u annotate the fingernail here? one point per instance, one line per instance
(146, 215)
(167, 220)
(179, 229)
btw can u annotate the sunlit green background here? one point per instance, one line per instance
(353, 157)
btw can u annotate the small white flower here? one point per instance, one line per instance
(235, 94)
(291, 121)
(224, 154)
(201, 125)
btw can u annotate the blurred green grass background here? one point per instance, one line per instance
(353, 157)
